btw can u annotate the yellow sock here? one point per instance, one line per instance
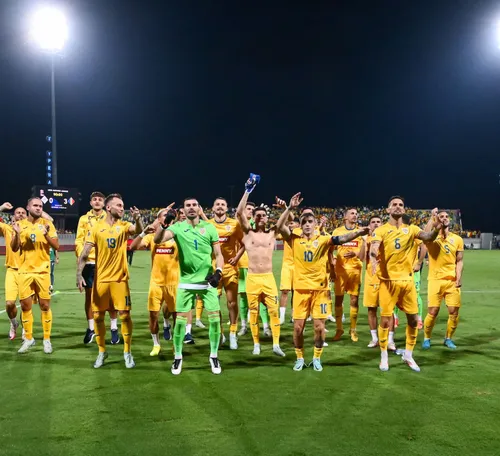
(199, 308)
(338, 317)
(383, 335)
(47, 323)
(353, 314)
(300, 353)
(100, 331)
(451, 327)
(429, 322)
(254, 325)
(233, 328)
(275, 325)
(126, 322)
(411, 337)
(28, 324)
(317, 352)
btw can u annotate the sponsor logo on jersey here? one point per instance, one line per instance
(164, 250)
(350, 244)
(223, 239)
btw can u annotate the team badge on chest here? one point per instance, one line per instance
(202, 231)
(315, 244)
(228, 228)
(405, 230)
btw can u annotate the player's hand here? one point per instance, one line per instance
(279, 203)
(170, 206)
(434, 213)
(80, 282)
(153, 227)
(323, 221)
(232, 261)
(364, 230)
(374, 267)
(295, 201)
(349, 254)
(214, 279)
(417, 266)
(458, 283)
(6, 207)
(45, 230)
(16, 228)
(57, 260)
(333, 276)
(135, 213)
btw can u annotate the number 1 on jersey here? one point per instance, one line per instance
(196, 244)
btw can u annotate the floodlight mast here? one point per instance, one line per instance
(49, 31)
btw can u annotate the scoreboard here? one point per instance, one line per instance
(57, 201)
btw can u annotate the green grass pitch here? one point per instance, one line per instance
(59, 405)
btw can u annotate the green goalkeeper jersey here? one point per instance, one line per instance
(195, 251)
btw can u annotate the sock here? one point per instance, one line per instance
(338, 318)
(199, 308)
(265, 326)
(391, 337)
(243, 304)
(429, 322)
(300, 353)
(282, 313)
(384, 356)
(382, 337)
(126, 323)
(420, 306)
(233, 328)
(451, 327)
(114, 324)
(353, 314)
(373, 332)
(254, 325)
(411, 337)
(243, 323)
(91, 324)
(317, 352)
(179, 333)
(275, 326)
(13, 320)
(156, 342)
(100, 331)
(214, 332)
(188, 328)
(28, 324)
(165, 323)
(264, 315)
(396, 312)
(46, 323)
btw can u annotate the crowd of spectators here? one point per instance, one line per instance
(334, 217)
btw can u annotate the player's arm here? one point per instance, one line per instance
(421, 258)
(362, 251)
(281, 226)
(333, 261)
(47, 217)
(429, 236)
(240, 213)
(6, 207)
(374, 251)
(202, 214)
(137, 228)
(142, 242)
(281, 204)
(339, 240)
(15, 242)
(81, 232)
(459, 267)
(82, 261)
(214, 279)
(432, 220)
(50, 235)
(163, 234)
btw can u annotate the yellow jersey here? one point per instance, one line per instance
(12, 259)
(110, 242)
(309, 261)
(35, 255)
(243, 263)
(347, 264)
(85, 223)
(443, 256)
(164, 261)
(396, 245)
(230, 237)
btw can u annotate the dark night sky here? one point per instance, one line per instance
(346, 101)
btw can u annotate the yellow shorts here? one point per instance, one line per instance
(371, 290)
(159, 294)
(261, 288)
(437, 290)
(401, 293)
(111, 295)
(286, 277)
(348, 282)
(34, 283)
(317, 303)
(229, 279)
(11, 284)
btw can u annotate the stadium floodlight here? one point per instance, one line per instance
(49, 31)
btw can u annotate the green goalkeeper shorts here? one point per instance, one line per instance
(186, 299)
(242, 281)
(416, 279)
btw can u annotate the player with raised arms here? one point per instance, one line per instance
(110, 289)
(196, 241)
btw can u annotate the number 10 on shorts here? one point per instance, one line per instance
(322, 308)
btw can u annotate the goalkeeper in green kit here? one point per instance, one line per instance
(196, 241)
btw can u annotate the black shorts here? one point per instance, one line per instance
(88, 275)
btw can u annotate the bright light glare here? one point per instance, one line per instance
(48, 29)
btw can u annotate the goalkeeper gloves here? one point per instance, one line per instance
(214, 279)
